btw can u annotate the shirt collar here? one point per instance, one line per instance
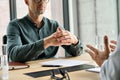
(31, 21)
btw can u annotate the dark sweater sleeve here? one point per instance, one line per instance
(74, 50)
(16, 50)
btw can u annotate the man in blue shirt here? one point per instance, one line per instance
(36, 37)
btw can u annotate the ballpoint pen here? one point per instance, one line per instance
(51, 65)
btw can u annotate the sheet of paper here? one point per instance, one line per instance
(64, 62)
(96, 69)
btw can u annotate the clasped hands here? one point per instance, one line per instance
(60, 37)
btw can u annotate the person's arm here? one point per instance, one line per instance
(110, 69)
(17, 51)
(69, 42)
(74, 50)
(20, 49)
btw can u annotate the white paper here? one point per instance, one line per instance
(96, 69)
(64, 62)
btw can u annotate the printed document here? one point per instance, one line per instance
(64, 62)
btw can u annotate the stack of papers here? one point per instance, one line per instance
(63, 62)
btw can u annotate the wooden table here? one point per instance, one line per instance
(35, 66)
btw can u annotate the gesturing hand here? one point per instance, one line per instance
(113, 45)
(99, 56)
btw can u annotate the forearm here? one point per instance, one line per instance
(74, 50)
(47, 42)
(25, 52)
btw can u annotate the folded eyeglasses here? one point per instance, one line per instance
(64, 74)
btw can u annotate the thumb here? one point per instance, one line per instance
(59, 29)
(106, 44)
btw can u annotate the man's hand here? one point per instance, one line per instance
(99, 56)
(65, 37)
(51, 41)
(60, 37)
(113, 44)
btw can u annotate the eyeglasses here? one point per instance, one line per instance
(64, 74)
(39, 1)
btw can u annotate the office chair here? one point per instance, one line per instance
(4, 39)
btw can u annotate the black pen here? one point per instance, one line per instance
(51, 65)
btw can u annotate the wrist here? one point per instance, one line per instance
(76, 41)
(100, 62)
(46, 43)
